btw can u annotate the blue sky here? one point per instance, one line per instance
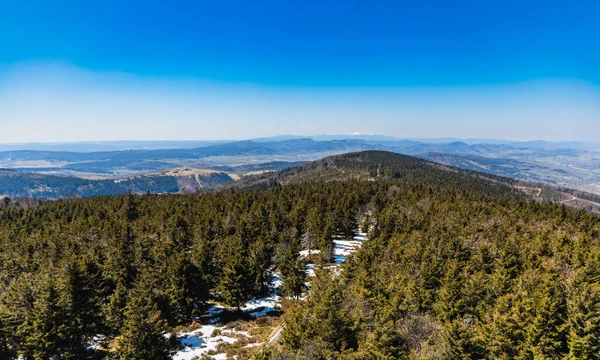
(86, 70)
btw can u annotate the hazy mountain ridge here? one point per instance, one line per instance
(538, 161)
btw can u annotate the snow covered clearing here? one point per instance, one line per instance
(204, 340)
(207, 339)
(341, 250)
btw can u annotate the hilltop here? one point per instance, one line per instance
(374, 165)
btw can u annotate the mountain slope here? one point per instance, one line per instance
(558, 167)
(22, 184)
(367, 165)
(373, 165)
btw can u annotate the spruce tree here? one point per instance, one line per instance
(15, 306)
(260, 262)
(47, 329)
(320, 320)
(143, 333)
(292, 270)
(80, 288)
(113, 310)
(235, 281)
(294, 278)
(308, 239)
(584, 314)
(5, 350)
(546, 327)
(183, 287)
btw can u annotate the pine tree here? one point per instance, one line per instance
(584, 314)
(143, 332)
(292, 270)
(5, 351)
(47, 331)
(235, 282)
(79, 293)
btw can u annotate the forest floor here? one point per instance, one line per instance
(222, 333)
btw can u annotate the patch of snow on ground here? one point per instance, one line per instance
(341, 250)
(310, 270)
(200, 341)
(98, 342)
(305, 253)
(270, 301)
(265, 304)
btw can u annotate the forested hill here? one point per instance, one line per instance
(456, 266)
(17, 184)
(376, 165)
(367, 165)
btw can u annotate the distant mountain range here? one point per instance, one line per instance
(574, 164)
(102, 146)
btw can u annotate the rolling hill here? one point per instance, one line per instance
(16, 184)
(553, 163)
(373, 165)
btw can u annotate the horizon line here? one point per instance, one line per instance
(298, 137)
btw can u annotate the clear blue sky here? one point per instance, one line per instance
(102, 70)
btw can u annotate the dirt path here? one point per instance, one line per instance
(574, 198)
(276, 336)
(569, 200)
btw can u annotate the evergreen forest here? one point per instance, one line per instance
(457, 265)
